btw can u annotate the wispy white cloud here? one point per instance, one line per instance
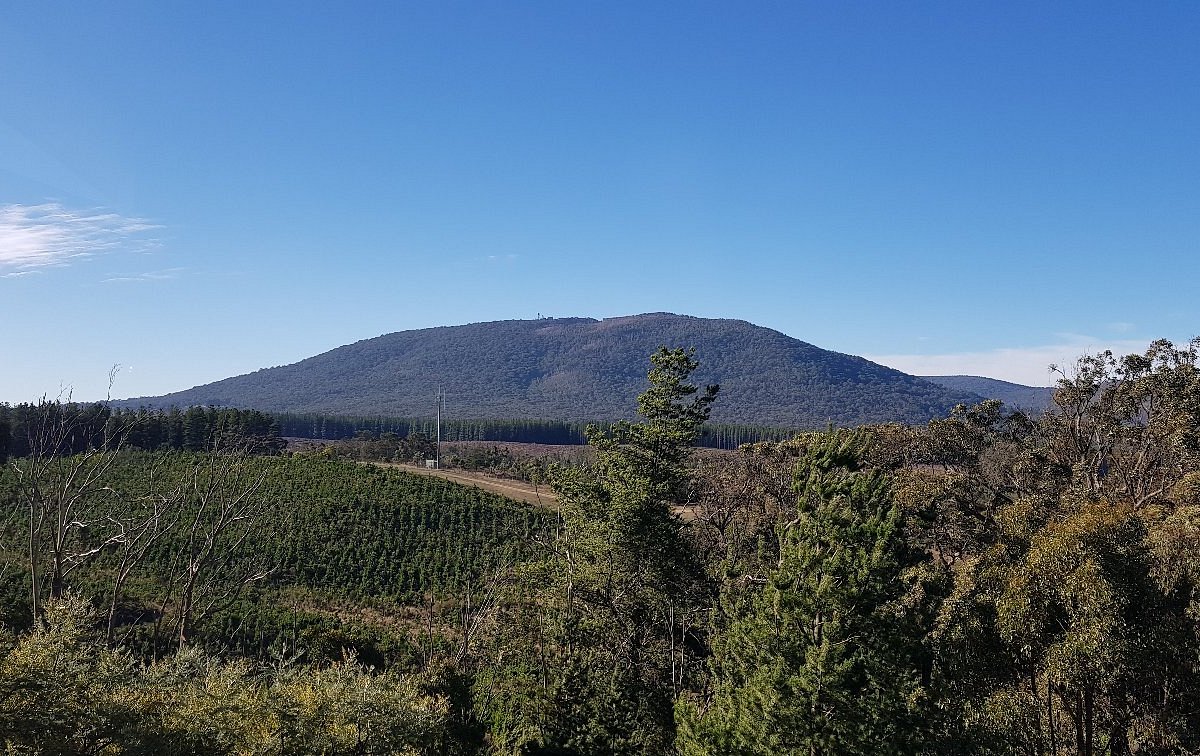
(1025, 365)
(36, 237)
(154, 275)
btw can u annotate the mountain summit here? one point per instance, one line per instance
(581, 369)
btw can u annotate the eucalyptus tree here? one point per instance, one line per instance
(1072, 624)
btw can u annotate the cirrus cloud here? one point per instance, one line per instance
(151, 275)
(35, 237)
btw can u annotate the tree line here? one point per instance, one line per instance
(198, 428)
(80, 427)
(552, 432)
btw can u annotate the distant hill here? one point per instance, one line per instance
(581, 369)
(1029, 398)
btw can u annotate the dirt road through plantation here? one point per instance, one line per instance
(539, 496)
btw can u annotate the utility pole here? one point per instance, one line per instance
(441, 404)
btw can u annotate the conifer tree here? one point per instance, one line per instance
(626, 575)
(821, 659)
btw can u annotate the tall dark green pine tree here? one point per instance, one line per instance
(818, 657)
(625, 576)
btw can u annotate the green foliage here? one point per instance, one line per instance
(1085, 635)
(63, 692)
(1071, 616)
(328, 528)
(621, 578)
(820, 655)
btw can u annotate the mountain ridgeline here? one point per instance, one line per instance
(1027, 398)
(580, 369)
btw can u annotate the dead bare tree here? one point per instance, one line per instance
(224, 511)
(61, 484)
(480, 600)
(737, 498)
(138, 527)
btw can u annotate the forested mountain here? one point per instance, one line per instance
(1031, 398)
(581, 369)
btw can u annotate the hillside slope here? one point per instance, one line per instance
(1015, 395)
(581, 369)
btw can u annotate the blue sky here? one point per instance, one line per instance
(194, 191)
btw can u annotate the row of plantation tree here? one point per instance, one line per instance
(76, 428)
(200, 428)
(554, 432)
(988, 583)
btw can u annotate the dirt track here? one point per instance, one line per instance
(542, 496)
